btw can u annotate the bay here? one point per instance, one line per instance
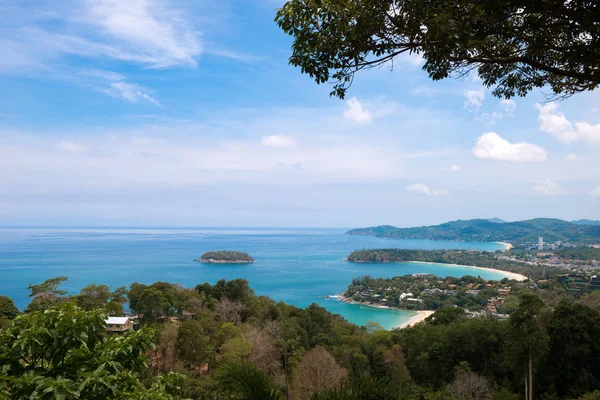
(298, 266)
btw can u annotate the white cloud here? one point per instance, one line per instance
(234, 55)
(145, 140)
(421, 188)
(225, 147)
(548, 188)
(356, 112)
(190, 159)
(455, 167)
(130, 92)
(277, 141)
(474, 99)
(489, 118)
(102, 74)
(70, 147)
(554, 122)
(414, 59)
(475, 77)
(572, 157)
(491, 146)
(115, 85)
(508, 106)
(154, 33)
(596, 192)
(146, 29)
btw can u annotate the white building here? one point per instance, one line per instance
(119, 324)
(540, 243)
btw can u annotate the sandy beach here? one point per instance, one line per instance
(420, 316)
(508, 274)
(507, 246)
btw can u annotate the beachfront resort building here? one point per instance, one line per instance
(119, 324)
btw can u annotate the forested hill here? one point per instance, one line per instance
(483, 230)
(225, 257)
(586, 222)
(462, 257)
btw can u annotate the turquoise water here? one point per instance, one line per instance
(298, 266)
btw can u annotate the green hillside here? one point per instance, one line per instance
(482, 230)
(586, 222)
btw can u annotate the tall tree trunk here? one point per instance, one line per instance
(530, 377)
(285, 371)
(526, 389)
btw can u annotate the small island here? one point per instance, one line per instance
(225, 257)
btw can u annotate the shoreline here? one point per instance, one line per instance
(211, 261)
(507, 274)
(347, 300)
(507, 246)
(419, 317)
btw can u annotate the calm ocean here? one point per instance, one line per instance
(298, 266)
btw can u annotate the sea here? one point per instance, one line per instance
(297, 266)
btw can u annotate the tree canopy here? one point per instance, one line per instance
(46, 294)
(8, 309)
(225, 342)
(64, 353)
(514, 45)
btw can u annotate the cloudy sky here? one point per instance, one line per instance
(186, 113)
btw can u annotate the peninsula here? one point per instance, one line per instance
(426, 293)
(225, 257)
(469, 258)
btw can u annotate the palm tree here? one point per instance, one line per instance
(246, 381)
(360, 389)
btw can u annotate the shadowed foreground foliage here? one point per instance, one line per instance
(222, 342)
(514, 45)
(64, 353)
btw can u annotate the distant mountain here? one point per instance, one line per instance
(483, 230)
(497, 220)
(586, 222)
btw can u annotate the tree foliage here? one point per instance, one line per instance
(274, 349)
(245, 381)
(469, 386)
(8, 309)
(574, 362)
(317, 372)
(46, 294)
(64, 353)
(196, 341)
(157, 301)
(527, 342)
(225, 256)
(515, 45)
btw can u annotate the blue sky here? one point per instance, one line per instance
(186, 113)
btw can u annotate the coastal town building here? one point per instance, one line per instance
(493, 304)
(119, 324)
